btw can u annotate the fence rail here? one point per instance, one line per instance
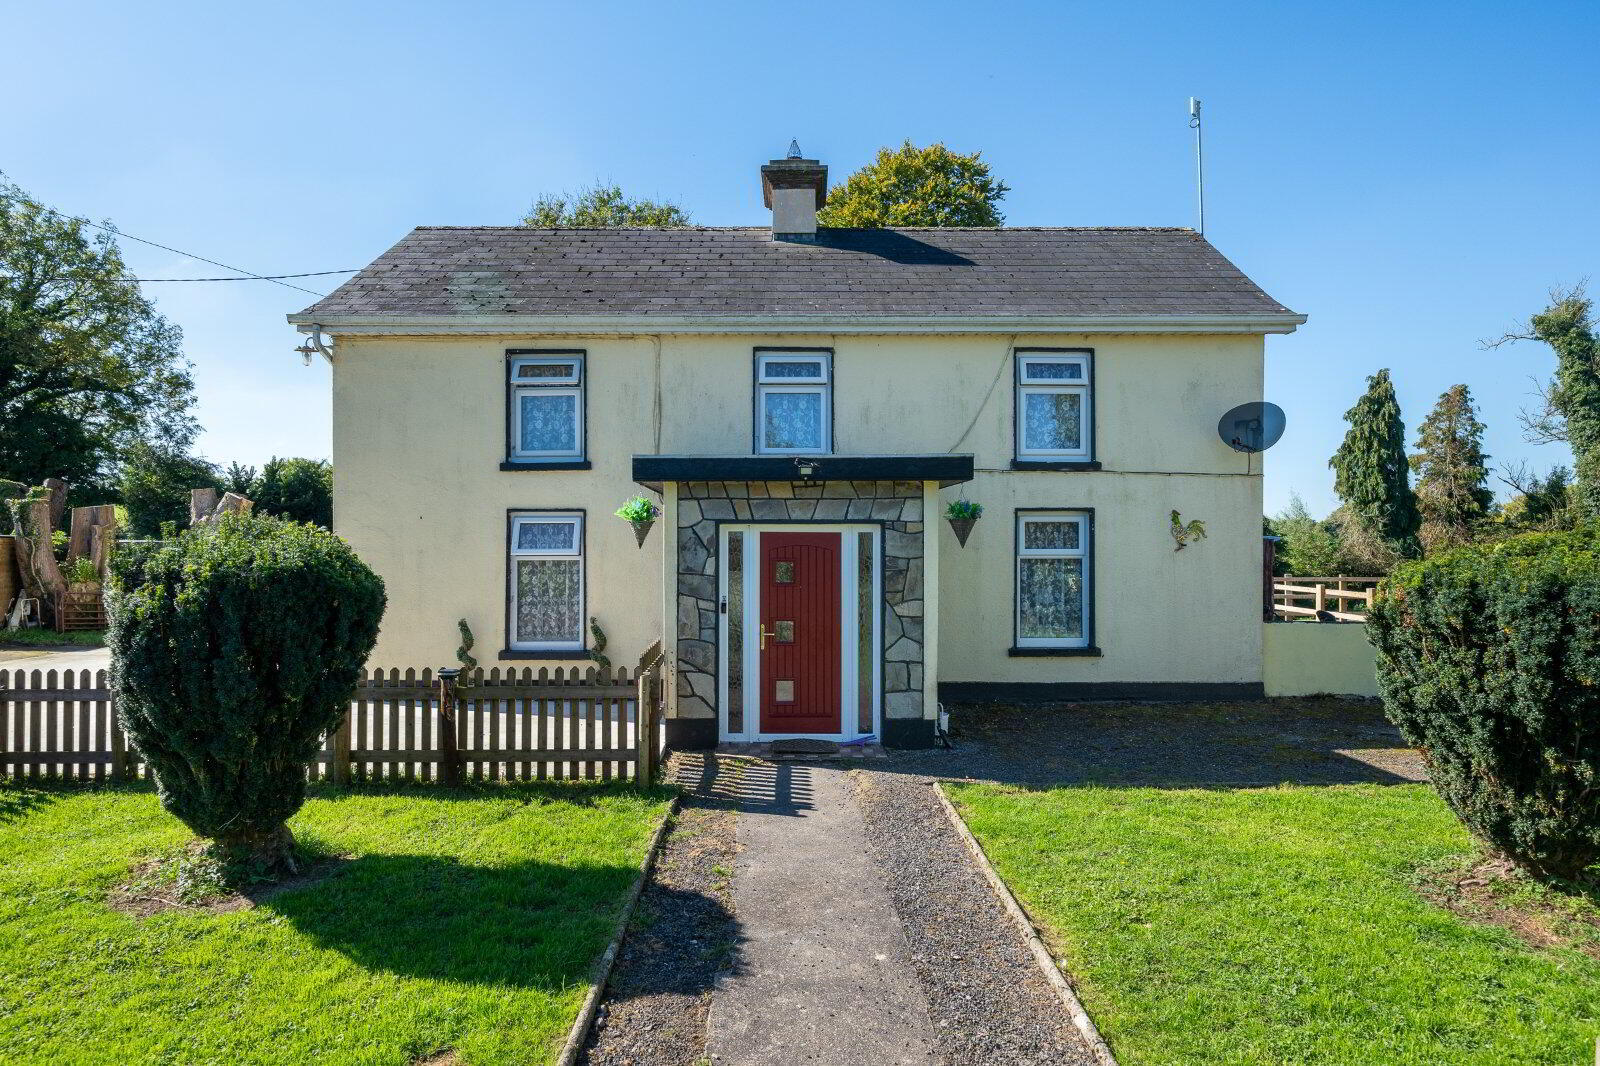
(573, 723)
(1326, 599)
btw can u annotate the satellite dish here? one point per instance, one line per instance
(1252, 427)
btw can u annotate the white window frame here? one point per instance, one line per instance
(1028, 385)
(570, 384)
(514, 555)
(767, 385)
(1084, 551)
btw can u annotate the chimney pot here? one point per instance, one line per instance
(794, 189)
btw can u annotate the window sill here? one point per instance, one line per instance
(552, 653)
(563, 464)
(1050, 464)
(1054, 653)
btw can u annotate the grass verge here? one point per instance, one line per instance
(1278, 925)
(462, 921)
(49, 638)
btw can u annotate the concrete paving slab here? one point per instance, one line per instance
(823, 975)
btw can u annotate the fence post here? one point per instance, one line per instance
(339, 764)
(644, 726)
(451, 765)
(119, 742)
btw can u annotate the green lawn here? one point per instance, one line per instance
(457, 920)
(32, 638)
(1277, 926)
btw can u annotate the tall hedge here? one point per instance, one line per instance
(235, 649)
(1489, 660)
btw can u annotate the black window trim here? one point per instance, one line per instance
(510, 461)
(1092, 461)
(1091, 649)
(755, 395)
(508, 620)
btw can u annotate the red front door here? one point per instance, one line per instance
(799, 633)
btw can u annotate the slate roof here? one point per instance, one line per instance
(742, 271)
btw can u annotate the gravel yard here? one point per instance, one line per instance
(1260, 742)
(986, 998)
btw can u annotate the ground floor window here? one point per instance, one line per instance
(546, 575)
(1053, 578)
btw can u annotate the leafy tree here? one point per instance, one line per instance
(239, 478)
(1541, 504)
(234, 650)
(1486, 660)
(911, 186)
(1306, 546)
(155, 483)
(87, 366)
(297, 489)
(1572, 400)
(1370, 471)
(1452, 471)
(601, 207)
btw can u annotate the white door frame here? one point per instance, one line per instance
(849, 637)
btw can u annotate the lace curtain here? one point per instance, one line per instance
(548, 601)
(549, 422)
(1052, 421)
(1051, 599)
(793, 420)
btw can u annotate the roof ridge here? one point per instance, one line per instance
(832, 229)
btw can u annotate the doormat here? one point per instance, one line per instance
(801, 746)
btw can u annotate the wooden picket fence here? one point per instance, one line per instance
(572, 723)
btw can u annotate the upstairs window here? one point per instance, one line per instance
(1053, 579)
(546, 594)
(794, 403)
(546, 406)
(1053, 406)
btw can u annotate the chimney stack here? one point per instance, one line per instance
(794, 188)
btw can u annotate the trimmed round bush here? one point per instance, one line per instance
(1489, 660)
(234, 650)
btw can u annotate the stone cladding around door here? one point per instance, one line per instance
(703, 505)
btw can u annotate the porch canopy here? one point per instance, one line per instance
(652, 471)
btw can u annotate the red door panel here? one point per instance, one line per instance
(800, 620)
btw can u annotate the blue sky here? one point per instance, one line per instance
(1414, 177)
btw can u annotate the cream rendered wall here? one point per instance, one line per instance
(1160, 615)
(1318, 658)
(419, 432)
(418, 435)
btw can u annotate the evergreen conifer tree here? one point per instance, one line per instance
(1371, 470)
(1452, 471)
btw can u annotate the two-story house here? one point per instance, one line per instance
(804, 402)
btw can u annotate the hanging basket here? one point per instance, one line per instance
(962, 528)
(641, 529)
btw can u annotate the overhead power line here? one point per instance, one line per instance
(263, 277)
(250, 274)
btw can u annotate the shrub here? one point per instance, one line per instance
(235, 649)
(1488, 659)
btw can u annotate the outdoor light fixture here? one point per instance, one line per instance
(807, 468)
(306, 352)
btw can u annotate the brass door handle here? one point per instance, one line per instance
(764, 636)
